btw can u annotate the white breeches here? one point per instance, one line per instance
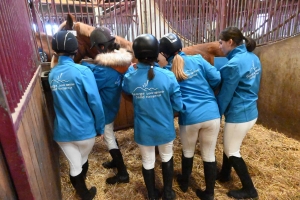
(207, 132)
(109, 136)
(77, 153)
(233, 136)
(148, 154)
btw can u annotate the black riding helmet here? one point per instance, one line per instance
(101, 36)
(64, 42)
(145, 46)
(169, 44)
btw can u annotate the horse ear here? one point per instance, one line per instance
(70, 21)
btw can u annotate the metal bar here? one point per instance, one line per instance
(160, 15)
(88, 15)
(62, 11)
(141, 16)
(150, 16)
(297, 18)
(75, 12)
(68, 6)
(290, 11)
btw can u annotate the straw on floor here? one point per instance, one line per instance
(273, 160)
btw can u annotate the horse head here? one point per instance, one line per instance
(83, 37)
(83, 32)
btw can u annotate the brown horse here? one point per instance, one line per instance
(83, 36)
(44, 43)
(207, 50)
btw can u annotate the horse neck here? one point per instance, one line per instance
(124, 43)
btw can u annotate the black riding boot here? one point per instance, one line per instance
(81, 189)
(210, 179)
(248, 190)
(224, 175)
(186, 168)
(167, 171)
(110, 164)
(85, 168)
(122, 176)
(149, 178)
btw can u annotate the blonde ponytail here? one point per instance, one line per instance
(177, 68)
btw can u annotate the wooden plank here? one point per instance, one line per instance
(45, 138)
(29, 130)
(41, 147)
(6, 186)
(29, 166)
(129, 112)
(120, 120)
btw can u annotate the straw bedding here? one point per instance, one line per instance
(272, 158)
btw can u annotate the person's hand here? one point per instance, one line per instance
(101, 137)
(134, 65)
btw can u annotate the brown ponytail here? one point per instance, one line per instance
(250, 44)
(151, 73)
(177, 68)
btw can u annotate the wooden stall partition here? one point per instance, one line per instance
(124, 118)
(34, 135)
(279, 95)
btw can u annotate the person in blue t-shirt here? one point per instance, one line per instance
(201, 121)
(156, 96)
(78, 108)
(237, 102)
(110, 65)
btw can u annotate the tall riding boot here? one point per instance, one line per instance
(167, 171)
(110, 164)
(224, 175)
(210, 179)
(85, 168)
(81, 189)
(122, 176)
(149, 178)
(186, 168)
(248, 190)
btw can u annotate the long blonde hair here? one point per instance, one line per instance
(177, 68)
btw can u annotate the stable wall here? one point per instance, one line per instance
(279, 96)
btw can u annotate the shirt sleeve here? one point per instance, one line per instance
(100, 74)
(176, 97)
(125, 85)
(213, 76)
(94, 100)
(230, 80)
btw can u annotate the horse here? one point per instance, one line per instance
(207, 50)
(43, 40)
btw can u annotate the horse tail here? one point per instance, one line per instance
(177, 68)
(54, 61)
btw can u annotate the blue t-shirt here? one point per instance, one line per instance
(153, 103)
(77, 103)
(240, 86)
(197, 90)
(109, 83)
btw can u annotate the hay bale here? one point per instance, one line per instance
(272, 158)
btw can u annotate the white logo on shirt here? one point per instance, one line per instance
(144, 92)
(191, 73)
(60, 84)
(253, 71)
